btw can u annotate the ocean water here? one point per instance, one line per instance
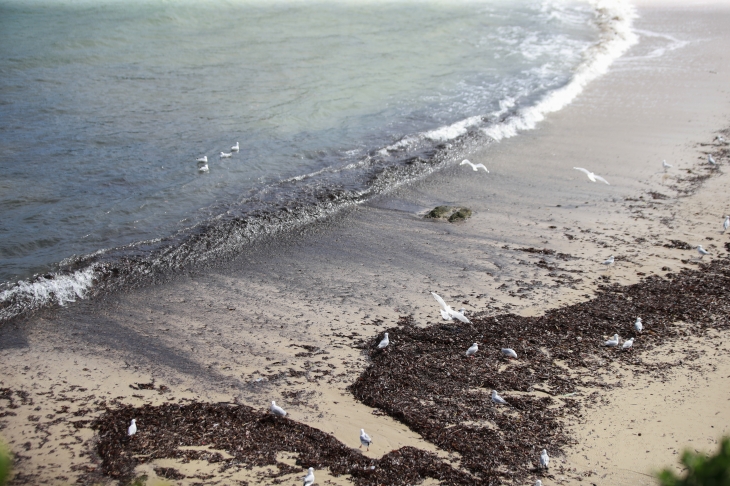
(106, 105)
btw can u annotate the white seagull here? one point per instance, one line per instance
(473, 349)
(277, 410)
(203, 168)
(665, 165)
(309, 478)
(593, 177)
(608, 261)
(509, 353)
(720, 139)
(702, 251)
(726, 224)
(384, 342)
(365, 439)
(638, 325)
(711, 160)
(203, 159)
(497, 399)
(613, 342)
(447, 312)
(132, 428)
(226, 155)
(475, 167)
(627, 344)
(235, 148)
(544, 459)
(538, 483)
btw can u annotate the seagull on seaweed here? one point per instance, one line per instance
(509, 353)
(309, 478)
(475, 167)
(538, 483)
(132, 428)
(609, 261)
(702, 251)
(544, 459)
(277, 410)
(627, 344)
(665, 165)
(226, 155)
(711, 160)
(365, 439)
(638, 326)
(203, 168)
(384, 342)
(613, 342)
(447, 312)
(472, 350)
(235, 148)
(593, 177)
(497, 399)
(203, 159)
(726, 224)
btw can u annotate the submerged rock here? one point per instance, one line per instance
(450, 213)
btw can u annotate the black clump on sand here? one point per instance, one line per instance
(450, 213)
(678, 244)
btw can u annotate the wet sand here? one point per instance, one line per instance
(209, 336)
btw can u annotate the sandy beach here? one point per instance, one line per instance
(295, 319)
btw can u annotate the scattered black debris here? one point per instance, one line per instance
(658, 195)
(678, 244)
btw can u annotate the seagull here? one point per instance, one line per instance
(497, 399)
(609, 261)
(509, 353)
(638, 325)
(226, 155)
(613, 342)
(235, 148)
(627, 344)
(203, 159)
(711, 160)
(726, 224)
(593, 177)
(702, 251)
(365, 439)
(384, 342)
(132, 428)
(203, 168)
(473, 349)
(447, 312)
(277, 410)
(538, 483)
(309, 478)
(475, 167)
(720, 139)
(544, 459)
(665, 165)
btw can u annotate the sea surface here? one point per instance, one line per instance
(106, 105)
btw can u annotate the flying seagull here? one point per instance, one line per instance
(638, 325)
(132, 428)
(627, 344)
(702, 251)
(475, 167)
(309, 478)
(497, 399)
(447, 312)
(203, 159)
(277, 410)
(384, 342)
(613, 342)
(235, 148)
(593, 177)
(544, 459)
(365, 439)
(226, 155)
(473, 349)
(509, 353)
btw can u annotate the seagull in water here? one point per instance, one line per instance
(665, 165)
(475, 167)
(309, 478)
(235, 148)
(509, 353)
(203, 168)
(277, 410)
(702, 251)
(472, 350)
(609, 261)
(544, 459)
(627, 344)
(447, 312)
(497, 399)
(384, 342)
(638, 325)
(365, 439)
(593, 177)
(226, 155)
(711, 160)
(613, 342)
(132, 428)
(726, 224)
(203, 159)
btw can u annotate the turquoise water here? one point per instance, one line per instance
(105, 106)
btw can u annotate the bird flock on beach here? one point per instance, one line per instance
(203, 161)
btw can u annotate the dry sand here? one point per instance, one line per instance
(210, 335)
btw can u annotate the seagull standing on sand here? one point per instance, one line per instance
(702, 251)
(665, 165)
(720, 139)
(726, 224)
(638, 326)
(475, 167)
(132, 428)
(235, 148)
(544, 459)
(627, 344)
(226, 155)
(384, 342)
(711, 160)
(593, 177)
(609, 261)
(538, 483)
(365, 439)
(497, 399)
(309, 478)
(472, 350)
(509, 353)
(613, 342)
(277, 410)
(447, 312)
(203, 159)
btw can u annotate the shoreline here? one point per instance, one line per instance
(210, 335)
